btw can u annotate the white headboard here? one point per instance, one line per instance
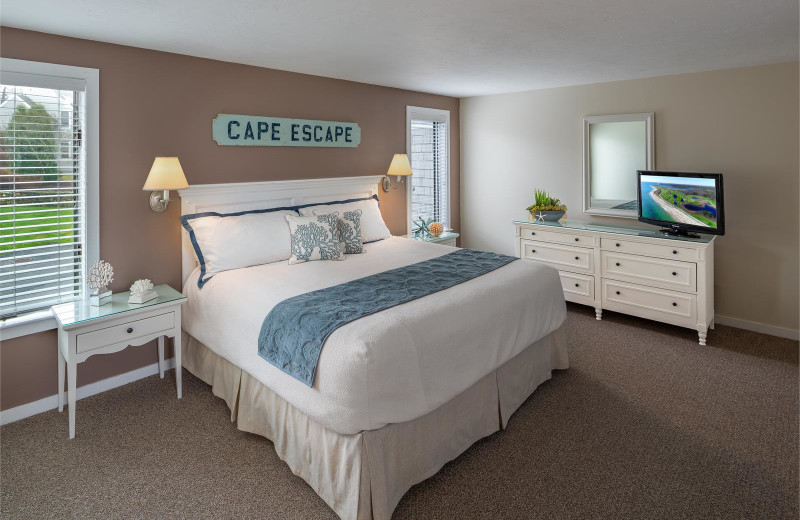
(243, 196)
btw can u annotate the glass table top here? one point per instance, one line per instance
(81, 311)
(618, 230)
(443, 236)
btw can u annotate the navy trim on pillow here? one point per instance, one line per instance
(338, 202)
(188, 227)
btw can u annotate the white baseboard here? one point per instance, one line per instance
(772, 330)
(51, 403)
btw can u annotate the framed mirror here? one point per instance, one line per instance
(614, 148)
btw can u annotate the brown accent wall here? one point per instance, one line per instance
(156, 103)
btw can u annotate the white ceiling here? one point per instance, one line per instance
(454, 47)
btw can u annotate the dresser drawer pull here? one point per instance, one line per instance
(617, 292)
(674, 273)
(577, 285)
(674, 251)
(533, 233)
(130, 329)
(577, 258)
(533, 250)
(617, 244)
(617, 264)
(674, 304)
(577, 239)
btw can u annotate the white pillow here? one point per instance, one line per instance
(223, 242)
(372, 225)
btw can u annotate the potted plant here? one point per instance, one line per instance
(546, 208)
(421, 228)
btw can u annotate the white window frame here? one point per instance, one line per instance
(51, 75)
(432, 114)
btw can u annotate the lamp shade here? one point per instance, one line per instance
(165, 174)
(400, 165)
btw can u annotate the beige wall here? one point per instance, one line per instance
(155, 103)
(741, 122)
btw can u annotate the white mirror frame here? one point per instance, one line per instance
(647, 117)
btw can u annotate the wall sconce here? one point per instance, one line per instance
(399, 167)
(165, 174)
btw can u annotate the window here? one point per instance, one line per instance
(48, 185)
(428, 143)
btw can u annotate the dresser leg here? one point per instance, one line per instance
(72, 373)
(702, 335)
(161, 356)
(598, 313)
(62, 367)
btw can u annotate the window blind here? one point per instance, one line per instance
(431, 178)
(42, 196)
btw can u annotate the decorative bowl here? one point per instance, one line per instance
(546, 216)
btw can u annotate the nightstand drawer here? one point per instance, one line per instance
(126, 331)
(544, 235)
(568, 258)
(673, 252)
(577, 285)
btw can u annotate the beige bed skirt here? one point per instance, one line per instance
(364, 475)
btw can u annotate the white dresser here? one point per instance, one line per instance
(628, 270)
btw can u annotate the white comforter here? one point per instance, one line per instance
(392, 366)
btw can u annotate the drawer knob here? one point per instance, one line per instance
(533, 233)
(674, 304)
(533, 250)
(674, 251)
(577, 239)
(617, 292)
(577, 285)
(577, 258)
(130, 329)
(674, 273)
(617, 264)
(617, 244)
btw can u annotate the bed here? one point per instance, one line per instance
(398, 393)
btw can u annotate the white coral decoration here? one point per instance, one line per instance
(100, 275)
(141, 287)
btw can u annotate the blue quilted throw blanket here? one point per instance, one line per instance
(295, 330)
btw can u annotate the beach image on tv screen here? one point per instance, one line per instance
(682, 200)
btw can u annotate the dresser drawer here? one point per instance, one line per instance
(568, 258)
(649, 302)
(118, 333)
(656, 272)
(577, 285)
(544, 235)
(686, 254)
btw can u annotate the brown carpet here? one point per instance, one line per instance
(645, 424)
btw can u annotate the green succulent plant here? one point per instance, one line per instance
(542, 201)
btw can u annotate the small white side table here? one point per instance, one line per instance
(446, 239)
(84, 330)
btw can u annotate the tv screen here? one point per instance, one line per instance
(682, 201)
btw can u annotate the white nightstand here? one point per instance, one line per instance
(84, 330)
(446, 239)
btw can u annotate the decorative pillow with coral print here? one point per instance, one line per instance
(314, 238)
(348, 231)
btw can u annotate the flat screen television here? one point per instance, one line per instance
(681, 202)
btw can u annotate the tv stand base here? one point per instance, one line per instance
(678, 233)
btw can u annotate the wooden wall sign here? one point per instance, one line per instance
(234, 130)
